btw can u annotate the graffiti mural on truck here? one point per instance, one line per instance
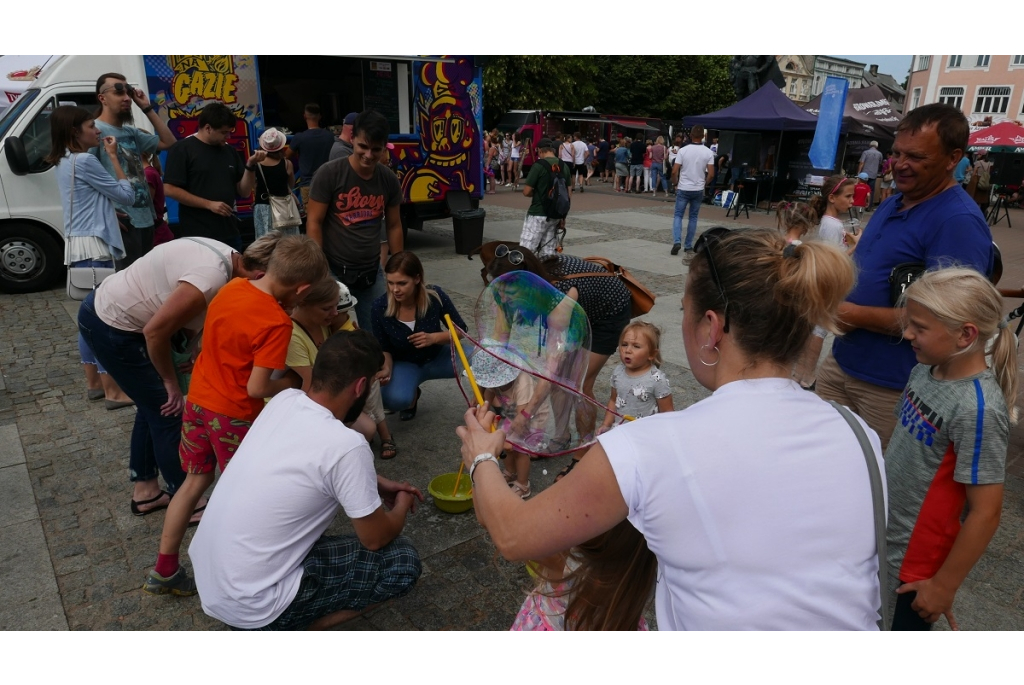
(448, 111)
(182, 85)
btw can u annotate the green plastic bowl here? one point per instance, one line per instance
(441, 490)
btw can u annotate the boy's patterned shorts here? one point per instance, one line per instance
(208, 438)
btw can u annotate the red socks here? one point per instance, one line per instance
(166, 564)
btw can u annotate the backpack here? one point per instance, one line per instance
(556, 201)
(984, 178)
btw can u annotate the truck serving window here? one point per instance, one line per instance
(11, 114)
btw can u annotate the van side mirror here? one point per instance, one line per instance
(16, 157)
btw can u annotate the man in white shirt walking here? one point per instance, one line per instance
(692, 172)
(580, 153)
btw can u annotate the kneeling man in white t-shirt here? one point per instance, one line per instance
(261, 559)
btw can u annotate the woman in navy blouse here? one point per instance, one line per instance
(408, 321)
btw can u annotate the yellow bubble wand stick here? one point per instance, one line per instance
(472, 383)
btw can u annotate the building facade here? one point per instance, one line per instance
(988, 89)
(798, 71)
(889, 85)
(825, 66)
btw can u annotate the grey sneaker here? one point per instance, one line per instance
(178, 584)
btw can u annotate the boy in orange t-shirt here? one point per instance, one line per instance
(246, 339)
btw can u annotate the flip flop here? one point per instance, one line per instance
(193, 524)
(138, 512)
(565, 472)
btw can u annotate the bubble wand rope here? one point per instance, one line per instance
(472, 383)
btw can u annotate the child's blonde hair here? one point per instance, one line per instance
(956, 296)
(800, 215)
(649, 331)
(296, 260)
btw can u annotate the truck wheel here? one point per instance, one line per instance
(30, 258)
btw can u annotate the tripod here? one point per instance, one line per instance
(1000, 205)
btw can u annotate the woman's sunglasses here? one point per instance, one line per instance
(703, 245)
(514, 256)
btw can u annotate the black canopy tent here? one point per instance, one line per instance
(766, 110)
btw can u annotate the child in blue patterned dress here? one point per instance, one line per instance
(639, 387)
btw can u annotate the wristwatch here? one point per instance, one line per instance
(147, 109)
(480, 458)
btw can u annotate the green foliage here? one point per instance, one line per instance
(537, 82)
(663, 86)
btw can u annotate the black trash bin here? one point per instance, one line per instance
(467, 222)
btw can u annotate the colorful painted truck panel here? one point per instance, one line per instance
(441, 151)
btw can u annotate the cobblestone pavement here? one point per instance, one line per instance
(73, 556)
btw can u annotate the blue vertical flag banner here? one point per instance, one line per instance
(830, 121)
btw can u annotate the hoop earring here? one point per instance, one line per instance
(701, 359)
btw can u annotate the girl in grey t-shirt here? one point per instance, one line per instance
(639, 387)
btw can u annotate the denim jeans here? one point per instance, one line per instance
(693, 198)
(83, 347)
(155, 438)
(658, 177)
(365, 298)
(406, 377)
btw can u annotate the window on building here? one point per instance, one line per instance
(983, 60)
(792, 87)
(1018, 61)
(923, 62)
(790, 66)
(952, 95)
(917, 99)
(955, 60)
(992, 100)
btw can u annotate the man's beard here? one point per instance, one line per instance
(357, 407)
(125, 117)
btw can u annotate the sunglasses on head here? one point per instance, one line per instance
(119, 88)
(703, 245)
(514, 256)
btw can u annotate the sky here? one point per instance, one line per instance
(896, 66)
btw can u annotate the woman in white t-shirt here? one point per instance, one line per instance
(756, 501)
(132, 322)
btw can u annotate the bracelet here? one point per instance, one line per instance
(527, 414)
(147, 109)
(480, 458)
(250, 168)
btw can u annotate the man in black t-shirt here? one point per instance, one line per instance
(347, 201)
(205, 175)
(312, 146)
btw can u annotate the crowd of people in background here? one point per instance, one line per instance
(239, 359)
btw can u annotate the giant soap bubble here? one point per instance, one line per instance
(529, 347)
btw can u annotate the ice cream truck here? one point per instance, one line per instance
(434, 106)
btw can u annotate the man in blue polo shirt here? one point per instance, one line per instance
(930, 220)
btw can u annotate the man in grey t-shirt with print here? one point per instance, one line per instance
(347, 200)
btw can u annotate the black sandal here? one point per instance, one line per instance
(139, 512)
(410, 413)
(568, 467)
(387, 446)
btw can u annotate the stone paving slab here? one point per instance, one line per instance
(635, 253)
(31, 600)
(649, 222)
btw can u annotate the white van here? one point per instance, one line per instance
(31, 219)
(434, 107)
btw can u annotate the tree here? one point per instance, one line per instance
(663, 86)
(537, 82)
